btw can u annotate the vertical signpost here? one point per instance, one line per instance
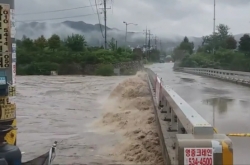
(7, 70)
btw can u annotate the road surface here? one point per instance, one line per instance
(231, 103)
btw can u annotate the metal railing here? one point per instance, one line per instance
(235, 76)
(182, 129)
(189, 119)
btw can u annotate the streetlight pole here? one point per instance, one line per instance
(214, 26)
(127, 32)
(214, 17)
(214, 53)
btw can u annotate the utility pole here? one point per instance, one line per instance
(155, 42)
(214, 26)
(126, 34)
(214, 53)
(214, 17)
(149, 34)
(105, 23)
(160, 46)
(127, 31)
(146, 37)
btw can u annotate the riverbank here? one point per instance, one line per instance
(122, 68)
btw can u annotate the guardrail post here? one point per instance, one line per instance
(173, 126)
(180, 128)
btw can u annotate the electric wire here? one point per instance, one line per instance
(91, 6)
(99, 19)
(57, 18)
(53, 11)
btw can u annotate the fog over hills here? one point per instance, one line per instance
(93, 34)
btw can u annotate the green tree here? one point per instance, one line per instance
(223, 31)
(217, 40)
(27, 43)
(225, 56)
(186, 45)
(244, 44)
(54, 42)
(76, 42)
(41, 42)
(36, 58)
(231, 43)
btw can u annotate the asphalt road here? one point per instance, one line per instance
(230, 102)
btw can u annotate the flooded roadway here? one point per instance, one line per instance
(61, 108)
(230, 102)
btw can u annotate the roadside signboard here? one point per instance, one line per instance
(198, 156)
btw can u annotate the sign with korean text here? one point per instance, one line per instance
(8, 112)
(13, 52)
(198, 156)
(5, 38)
(12, 90)
(13, 73)
(4, 100)
(13, 26)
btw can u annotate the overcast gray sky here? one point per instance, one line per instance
(166, 17)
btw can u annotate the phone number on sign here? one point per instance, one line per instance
(199, 161)
(198, 156)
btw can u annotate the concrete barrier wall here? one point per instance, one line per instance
(186, 138)
(227, 75)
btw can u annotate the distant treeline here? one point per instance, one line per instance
(219, 50)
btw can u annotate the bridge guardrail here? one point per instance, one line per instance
(233, 76)
(186, 138)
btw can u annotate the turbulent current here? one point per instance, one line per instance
(96, 120)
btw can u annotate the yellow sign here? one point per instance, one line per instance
(12, 90)
(4, 100)
(11, 136)
(8, 112)
(5, 38)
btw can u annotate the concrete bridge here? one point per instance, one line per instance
(187, 126)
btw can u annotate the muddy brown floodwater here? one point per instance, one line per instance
(90, 125)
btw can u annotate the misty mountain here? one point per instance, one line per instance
(93, 34)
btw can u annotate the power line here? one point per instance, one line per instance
(57, 18)
(91, 6)
(52, 11)
(99, 19)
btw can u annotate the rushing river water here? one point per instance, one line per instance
(61, 108)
